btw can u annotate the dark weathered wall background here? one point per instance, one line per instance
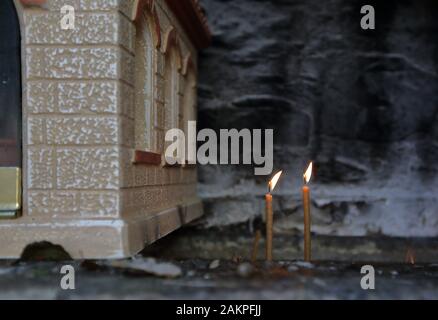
(362, 104)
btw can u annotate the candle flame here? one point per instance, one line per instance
(308, 174)
(274, 181)
(410, 256)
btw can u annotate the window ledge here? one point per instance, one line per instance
(155, 159)
(175, 165)
(147, 157)
(179, 165)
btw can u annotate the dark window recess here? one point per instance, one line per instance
(10, 86)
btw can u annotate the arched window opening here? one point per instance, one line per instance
(144, 86)
(171, 102)
(190, 101)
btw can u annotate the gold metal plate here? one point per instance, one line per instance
(10, 192)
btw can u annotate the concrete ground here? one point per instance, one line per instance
(217, 267)
(229, 280)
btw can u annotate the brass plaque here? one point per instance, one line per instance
(10, 192)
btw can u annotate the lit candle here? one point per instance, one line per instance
(307, 221)
(270, 216)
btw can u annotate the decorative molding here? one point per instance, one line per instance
(187, 64)
(193, 20)
(147, 10)
(171, 39)
(188, 12)
(138, 7)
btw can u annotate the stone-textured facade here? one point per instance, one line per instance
(83, 123)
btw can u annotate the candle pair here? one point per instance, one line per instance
(306, 206)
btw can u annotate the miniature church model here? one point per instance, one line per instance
(84, 112)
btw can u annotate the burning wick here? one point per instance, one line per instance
(410, 256)
(306, 205)
(270, 216)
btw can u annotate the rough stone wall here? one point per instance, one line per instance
(362, 104)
